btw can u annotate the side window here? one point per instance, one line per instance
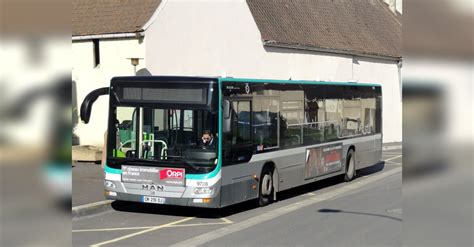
(292, 117)
(266, 115)
(351, 122)
(368, 117)
(314, 118)
(240, 122)
(333, 112)
(378, 113)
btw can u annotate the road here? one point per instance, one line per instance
(366, 211)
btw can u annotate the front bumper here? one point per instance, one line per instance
(189, 202)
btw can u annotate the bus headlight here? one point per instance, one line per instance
(204, 191)
(109, 184)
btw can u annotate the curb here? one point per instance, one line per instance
(91, 208)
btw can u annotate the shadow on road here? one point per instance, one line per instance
(143, 208)
(326, 210)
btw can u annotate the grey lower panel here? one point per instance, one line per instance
(290, 164)
(239, 191)
(215, 201)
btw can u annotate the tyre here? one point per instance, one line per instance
(265, 195)
(350, 166)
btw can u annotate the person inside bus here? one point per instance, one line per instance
(207, 139)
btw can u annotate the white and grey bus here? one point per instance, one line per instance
(262, 137)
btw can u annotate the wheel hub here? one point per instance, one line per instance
(266, 185)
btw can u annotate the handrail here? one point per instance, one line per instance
(301, 124)
(165, 146)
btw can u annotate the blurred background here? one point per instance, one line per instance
(36, 123)
(38, 112)
(438, 125)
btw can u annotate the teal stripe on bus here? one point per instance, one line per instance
(299, 82)
(112, 170)
(219, 154)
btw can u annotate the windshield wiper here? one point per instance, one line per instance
(180, 158)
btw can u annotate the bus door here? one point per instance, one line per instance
(237, 151)
(237, 141)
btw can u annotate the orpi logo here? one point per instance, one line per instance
(171, 174)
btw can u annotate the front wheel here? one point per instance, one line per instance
(350, 166)
(266, 187)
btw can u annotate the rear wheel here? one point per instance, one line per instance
(350, 166)
(266, 187)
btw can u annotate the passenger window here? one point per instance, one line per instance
(313, 128)
(266, 115)
(351, 121)
(241, 122)
(368, 106)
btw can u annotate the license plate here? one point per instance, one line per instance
(156, 200)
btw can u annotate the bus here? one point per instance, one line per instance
(266, 136)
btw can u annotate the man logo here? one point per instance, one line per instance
(153, 187)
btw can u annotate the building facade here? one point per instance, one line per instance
(254, 39)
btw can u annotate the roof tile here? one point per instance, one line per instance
(352, 26)
(93, 17)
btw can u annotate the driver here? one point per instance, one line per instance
(207, 139)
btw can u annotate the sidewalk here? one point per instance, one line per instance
(87, 183)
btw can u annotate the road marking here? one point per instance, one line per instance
(227, 220)
(202, 224)
(113, 229)
(212, 235)
(393, 158)
(224, 221)
(142, 232)
(391, 162)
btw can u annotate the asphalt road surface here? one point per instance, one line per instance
(364, 212)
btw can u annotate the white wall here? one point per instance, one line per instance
(210, 38)
(113, 62)
(454, 78)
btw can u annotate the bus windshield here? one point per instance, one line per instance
(183, 135)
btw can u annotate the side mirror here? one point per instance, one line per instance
(86, 106)
(226, 116)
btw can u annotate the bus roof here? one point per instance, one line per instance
(231, 79)
(298, 82)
